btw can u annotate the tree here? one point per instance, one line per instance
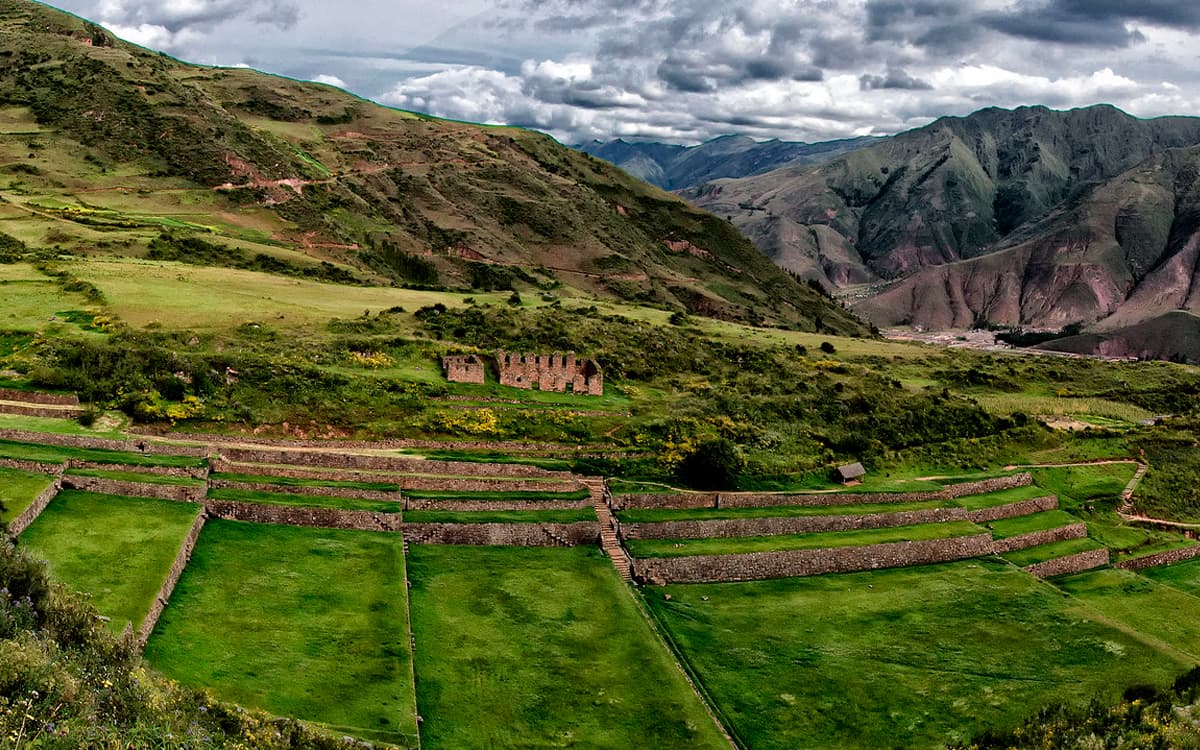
(716, 464)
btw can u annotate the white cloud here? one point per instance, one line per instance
(330, 80)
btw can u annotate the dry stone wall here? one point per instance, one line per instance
(126, 488)
(35, 467)
(321, 518)
(1038, 538)
(1170, 557)
(30, 514)
(178, 472)
(182, 558)
(1070, 564)
(494, 505)
(340, 492)
(697, 500)
(764, 565)
(463, 368)
(731, 528)
(46, 399)
(332, 460)
(578, 534)
(1014, 510)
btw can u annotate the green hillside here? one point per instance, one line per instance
(110, 149)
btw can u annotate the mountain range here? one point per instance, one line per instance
(1029, 218)
(104, 144)
(674, 167)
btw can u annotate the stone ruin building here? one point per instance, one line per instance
(551, 372)
(463, 368)
(545, 372)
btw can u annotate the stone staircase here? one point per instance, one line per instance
(610, 539)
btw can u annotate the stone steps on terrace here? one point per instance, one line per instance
(610, 538)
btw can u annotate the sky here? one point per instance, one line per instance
(684, 71)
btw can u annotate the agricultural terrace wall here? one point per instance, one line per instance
(36, 467)
(30, 514)
(125, 446)
(126, 488)
(46, 412)
(1170, 557)
(579, 534)
(764, 565)
(46, 399)
(495, 505)
(287, 489)
(178, 472)
(182, 558)
(743, 527)
(1076, 563)
(321, 518)
(423, 481)
(1038, 538)
(397, 464)
(504, 446)
(1014, 510)
(693, 500)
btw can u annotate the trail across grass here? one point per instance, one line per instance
(545, 648)
(302, 622)
(118, 549)
(909, 658)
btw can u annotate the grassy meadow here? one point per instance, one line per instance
(910, 658)
(18, 490)
(256, 620)
(117, 549)
(525, 648)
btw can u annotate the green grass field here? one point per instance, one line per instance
(520, 648)
(822, 540)
(1051, 519)
(117, 549)
(1162, 614)
(302, 482)
(1183, 576)
(256, 619)
(18, 490)
(58, 454)
(1043, 552)
(909, 658)
(305, 501)
(656, 515)
(129, 476)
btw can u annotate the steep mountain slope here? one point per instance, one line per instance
(104, 145)
(676, 167)
(1125, 252)
(957, 189)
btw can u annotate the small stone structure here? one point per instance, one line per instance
(851, 474)
(463, 368)
(551, 372)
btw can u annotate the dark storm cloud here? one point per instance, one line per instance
(200, 14)
(894, 79)
(1093, 22)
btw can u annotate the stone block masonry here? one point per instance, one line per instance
(697, 500)
(320, 518)
(731, 528)
(470, 506)
(35, 467)
(178, 472)
(182, 558)
(125, 446)
(583, 533)
(1170, 557)
(1038, 538)
(763, 565)
(45, 412)
(550, 372)
(174, 492)
(464, 368)
(1077, 563)
(44, 399)
(287, 489)
(396, 464)
(30, 514)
